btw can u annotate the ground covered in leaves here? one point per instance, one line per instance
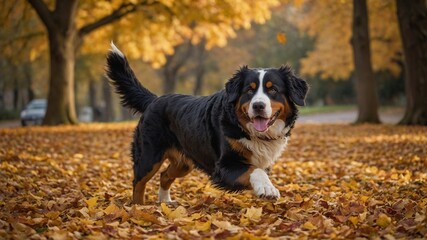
(336, 181)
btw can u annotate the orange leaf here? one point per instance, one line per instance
(281, 38)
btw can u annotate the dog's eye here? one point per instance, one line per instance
(272, 91)
(250, 92)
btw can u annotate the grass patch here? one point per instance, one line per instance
(9, 114)
(325, 109)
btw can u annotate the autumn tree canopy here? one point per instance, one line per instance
(330, 23)
(145, 29)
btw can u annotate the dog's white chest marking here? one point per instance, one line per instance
(264, 153)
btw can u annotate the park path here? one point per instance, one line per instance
(391, 116)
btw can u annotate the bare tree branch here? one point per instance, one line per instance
(43, 12)
(25, 37)
(123, 10)
(65, 12)
(8, 12)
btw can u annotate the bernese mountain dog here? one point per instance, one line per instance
(234, 135)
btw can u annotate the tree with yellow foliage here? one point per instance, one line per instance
(330, 23)
(347, 42)
(147, 29)
(413, 28)
(365, 84)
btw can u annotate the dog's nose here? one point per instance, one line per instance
(258, 106)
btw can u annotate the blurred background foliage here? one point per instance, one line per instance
(194, 50)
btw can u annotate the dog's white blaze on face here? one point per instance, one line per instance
(260, 96)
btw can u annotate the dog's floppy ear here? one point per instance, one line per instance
(298, 87)
(234, 85)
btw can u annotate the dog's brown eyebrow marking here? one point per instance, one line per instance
(253, 85)
(269, 84)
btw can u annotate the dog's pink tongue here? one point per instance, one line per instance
(260, 124)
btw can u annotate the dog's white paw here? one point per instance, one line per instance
(266, 191)
(262, 185)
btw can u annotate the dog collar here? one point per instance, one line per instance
(286, 134)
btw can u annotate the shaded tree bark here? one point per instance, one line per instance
(92, 94)
(174, 64)
(108, 111)
(200, 68)
(64, 40)
(15, 91)
(366, 86)
(412, 17)
(29, 80)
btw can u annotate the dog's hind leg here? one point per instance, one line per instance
(147, 162)
(179, 166)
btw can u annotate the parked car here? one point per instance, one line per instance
(86, 114)
(34, 113)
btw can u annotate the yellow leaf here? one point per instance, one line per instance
(354, 220)
(226, 225)
(309, 226)
(363, 216)
(87, 221)
(179, 212)
(85, 212)
(35, 197)
(115, 155)
(240, 203)
(281, 38)
(196, 216)
(419, 217)
(364, 198)
(113, 224)
(383, 220)
(140, 222)
(165, 209)
(114, 210)
(52, 215)
(142, 215)
(111, 209)
(91, 202)
(253, 214)
(394, 176)
(59, 235)
(245, 235)
(203, 226)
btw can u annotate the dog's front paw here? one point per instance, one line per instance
(262, 185)
(266, 191)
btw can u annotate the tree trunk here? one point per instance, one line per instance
(61, 106)
(366, 86)
(92, 93)
(169, 81)
(174, 64)
(200, 68)
(63, 41)
(108, 113)
(29, 81)
(16, 91)
(412, 17)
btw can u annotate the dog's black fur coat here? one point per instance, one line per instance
(198, 127)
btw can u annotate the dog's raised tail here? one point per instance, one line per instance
(132, 94)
